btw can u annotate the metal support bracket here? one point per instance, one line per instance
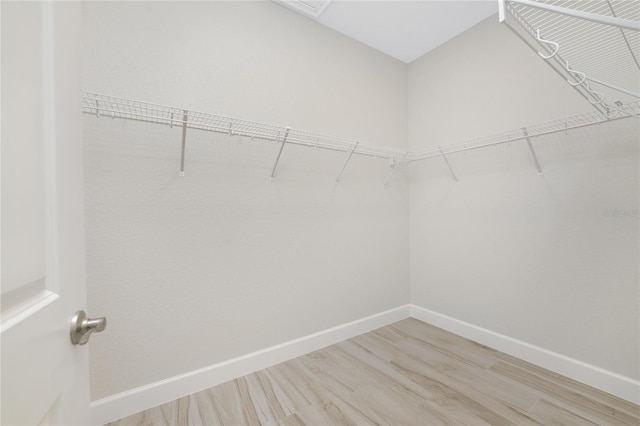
(395, 168)
(284, 140)
(347, 161)
(184, 140)
(616, 88)
(444, 157)
(533, 153)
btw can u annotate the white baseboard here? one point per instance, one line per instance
(607, 381)
(144, 397)
(135, 400)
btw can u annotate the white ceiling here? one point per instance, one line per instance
(402, 29)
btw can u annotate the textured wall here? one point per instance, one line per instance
(538, 259)
(196, 270)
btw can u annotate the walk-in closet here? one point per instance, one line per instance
(320, 212)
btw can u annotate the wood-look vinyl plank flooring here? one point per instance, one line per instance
(407, 373)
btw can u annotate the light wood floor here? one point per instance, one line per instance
(408, 373)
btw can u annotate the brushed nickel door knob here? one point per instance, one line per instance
(82, 327)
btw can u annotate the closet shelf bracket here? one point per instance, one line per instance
(347, 161)
(184, 140)
(444, 157)
(284, 141)
(396, 168)
(533, 152)
(616, 88)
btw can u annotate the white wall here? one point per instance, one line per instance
(243, 263)
(533, 258)
(222, 262)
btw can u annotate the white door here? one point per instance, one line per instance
(44, 377)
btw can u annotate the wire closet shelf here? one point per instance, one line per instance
(111, 106)
(594, 45)
(114, 107)
(528, 132)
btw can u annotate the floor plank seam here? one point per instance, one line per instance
(532, 407)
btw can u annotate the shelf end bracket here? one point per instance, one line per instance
(444, 157)
(533, 152)
(184, 140)
(347, 161)
(395, 168)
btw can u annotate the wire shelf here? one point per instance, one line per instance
(528, 132)
(114, 107)
(111, 106)
(592, 56)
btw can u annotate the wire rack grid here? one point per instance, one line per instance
(589, 55)
(527, 132)
(110, 106)
(115, 107)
